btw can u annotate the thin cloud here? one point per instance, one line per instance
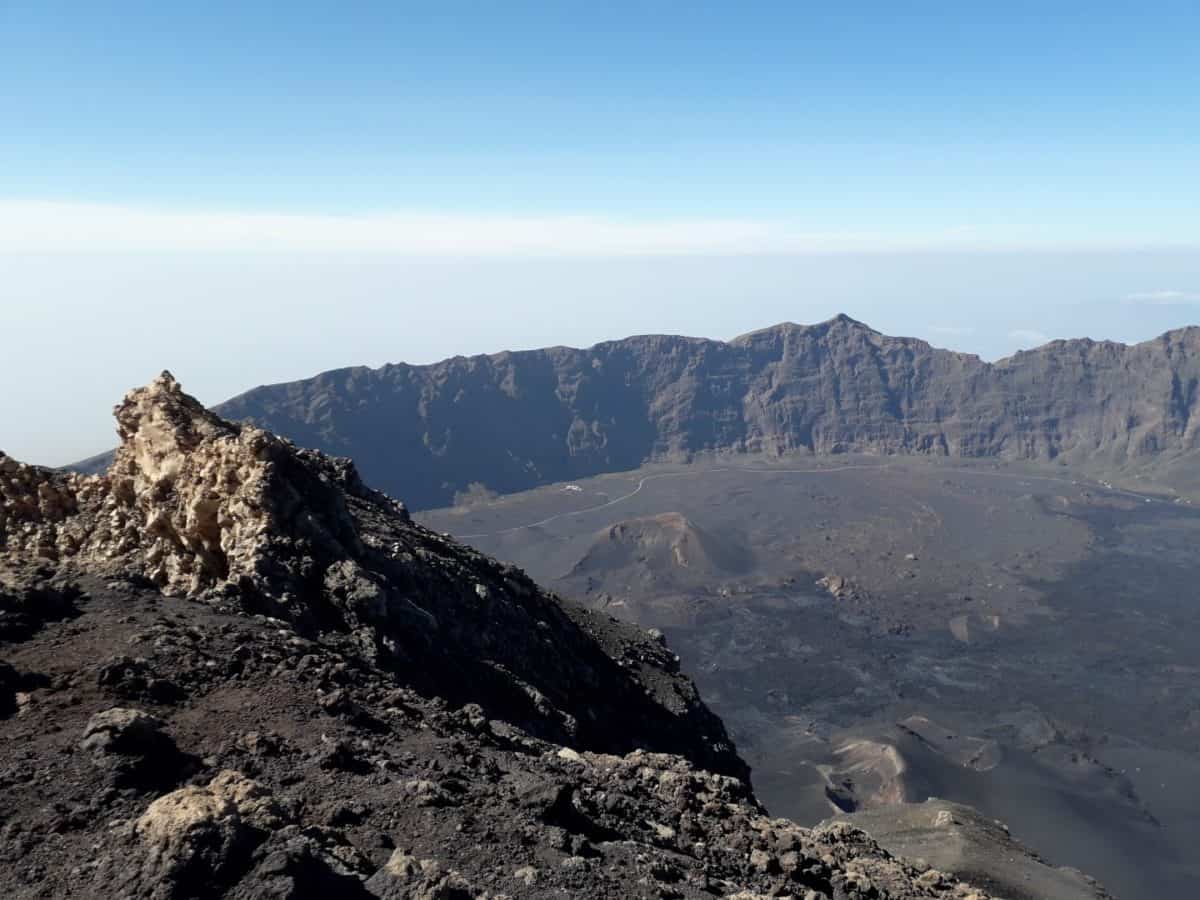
(44, 226)
(54, 226)
(1028, 336)
(1164, 298)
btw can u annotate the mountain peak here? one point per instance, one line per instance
(841, 323)
(843, 319)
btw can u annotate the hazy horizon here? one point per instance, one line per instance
(232, 324)
(246, 199)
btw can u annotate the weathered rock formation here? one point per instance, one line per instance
(190, 501)
(196, 505)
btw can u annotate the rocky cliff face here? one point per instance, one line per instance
(194, 505)
(515, 420)
(233, 670)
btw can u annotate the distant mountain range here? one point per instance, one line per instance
(514, 420)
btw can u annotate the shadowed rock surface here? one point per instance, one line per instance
(1066, 715)
(515, 420)
(237, 671)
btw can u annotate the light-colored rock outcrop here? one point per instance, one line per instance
(195, 834)
(229, 798)
(195, 488)
(39, 509)
(190, 502)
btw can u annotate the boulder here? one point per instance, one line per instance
(203, 835)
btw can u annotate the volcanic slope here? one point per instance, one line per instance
(663, 552)
(231, 669)
(1020, 608)
(512, 421)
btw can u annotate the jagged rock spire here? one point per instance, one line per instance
(190, 501)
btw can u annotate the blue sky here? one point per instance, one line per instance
(794, 110)
(981, 175)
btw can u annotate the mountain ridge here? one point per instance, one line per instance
(517, 419)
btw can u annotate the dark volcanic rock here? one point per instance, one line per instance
(37, 598)
(127, 732)
(130, 744)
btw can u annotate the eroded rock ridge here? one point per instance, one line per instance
(512, 421)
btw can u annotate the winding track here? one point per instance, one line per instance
(818, 471)
(642, 483)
